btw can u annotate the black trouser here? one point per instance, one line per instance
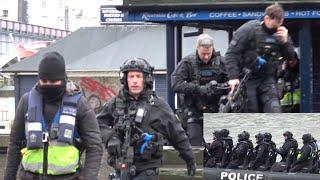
(300, 167)
(279, 167)
(234, 164)
(256, 166)
(211, 163)
(195, 133)
(262, 95)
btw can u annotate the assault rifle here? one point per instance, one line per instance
(234, 101)
(123, 150)
(123, 163)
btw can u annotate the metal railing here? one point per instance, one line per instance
(29, 29)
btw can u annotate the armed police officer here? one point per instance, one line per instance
(216, 150)
(272, 150)
(195, 79)
(289, 144)
(288, 153)
(259, 46)
(134, 123)
(315, 156)
(240, 154)
(53, 125)
(304, 161)
(260, 153)
(227, 147)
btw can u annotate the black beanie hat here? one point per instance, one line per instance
(52, 67)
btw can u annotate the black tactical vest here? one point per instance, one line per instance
(204, 73)
(266, 46)
(138, 112)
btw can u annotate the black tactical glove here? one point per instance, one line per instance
(113, 146)
(191, 167)
(208, 89)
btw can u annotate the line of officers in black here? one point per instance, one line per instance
(222, 153)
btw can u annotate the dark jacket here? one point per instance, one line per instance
(216, 150)
(87, 128)
(242, 51)
(160, 119)
(287, 145)
(305, 157)
(187, 78)
(228, 142)
(260, 155)
(240, 151)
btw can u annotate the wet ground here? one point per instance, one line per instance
(172, 171)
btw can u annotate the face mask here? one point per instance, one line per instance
(52, 92)
(268, 30)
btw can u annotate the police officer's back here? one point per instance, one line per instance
(139, 106)
(260, 152)
(272, 150)
(53, 126)
(227, 147)
(288, 153)
(259, 46)
(241, 152)
(226, 138)
(304, 159)
(289, 144)
(193, 80)
(216, 146)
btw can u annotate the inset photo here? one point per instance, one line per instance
(261, 146)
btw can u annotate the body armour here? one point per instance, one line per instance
(55, 142)
(201, 75)
(138, 113)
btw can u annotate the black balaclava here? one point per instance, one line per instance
(52, 67)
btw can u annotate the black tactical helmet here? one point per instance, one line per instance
(217, 134)
(288, 134)
(243, 136)
(224, 132)
(259, 137)
(137, 64)
(267, 136)
(306, 138)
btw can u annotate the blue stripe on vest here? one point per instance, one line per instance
(65, 132)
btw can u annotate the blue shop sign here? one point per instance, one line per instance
(216, 15)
